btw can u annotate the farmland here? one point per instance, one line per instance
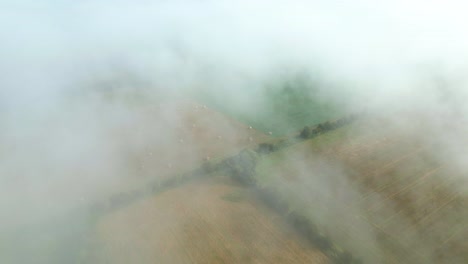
(171, 138)
(152, 192)
(284, 107)
(210, 221)
(381, 187)
(213, 190)
(154, 143)
(207, 220)
(233, 132)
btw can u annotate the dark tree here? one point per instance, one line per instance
(242, 166)
(306, 133)
(265, 148)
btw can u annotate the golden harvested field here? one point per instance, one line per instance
(156, 142)
(393, 196)
(144, 145)
(210, 221)
(174, 137)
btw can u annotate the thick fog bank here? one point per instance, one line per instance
(72, 73)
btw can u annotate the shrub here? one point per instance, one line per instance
(242, 166)
(306, 133)
(265, 148)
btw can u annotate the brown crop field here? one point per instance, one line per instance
(210, 221)
(171, 138)
(394, 198)
(206, 221)
(153, 143)
(346, 195)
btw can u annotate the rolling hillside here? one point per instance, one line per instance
(380, 193)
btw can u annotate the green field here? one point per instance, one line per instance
(283, 108)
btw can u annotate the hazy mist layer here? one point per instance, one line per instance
(74, 72)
